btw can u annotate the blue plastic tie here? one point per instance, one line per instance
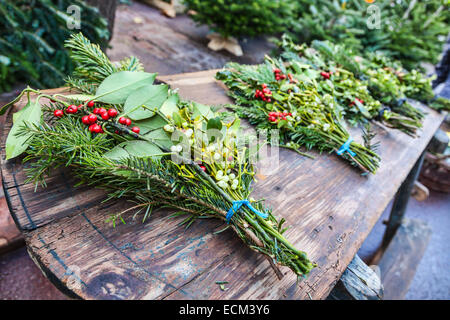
(238, 204)
(346, 148)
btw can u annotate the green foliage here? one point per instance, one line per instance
(410, 31)
(377, 80)
(32, 35)
(312, 119)
(242, 18)
(150, 169)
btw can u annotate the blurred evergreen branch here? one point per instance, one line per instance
(32, 35)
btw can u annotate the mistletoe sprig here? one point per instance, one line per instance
(178, 155)
(271, 98)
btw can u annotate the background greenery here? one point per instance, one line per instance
(32, 35)
(411, 31)
(244, 17)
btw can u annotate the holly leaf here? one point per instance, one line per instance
(134, 148)
(116, 88)
(17, 144)
(141, 102)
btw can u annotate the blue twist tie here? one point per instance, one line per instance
(238, 204)
(346, 148)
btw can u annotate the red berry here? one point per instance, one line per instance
(272, 119)
(135, 129)
(122, 120)
(92, 118)
(112, 112)
(85, 120)
(264, 85)
(58, 113)
(72, 109)
(101, 110)
(326, 75)
(95, 128)
(104, 115)
(127, 121)
(90, 104)
(203, 168)
(95, 111)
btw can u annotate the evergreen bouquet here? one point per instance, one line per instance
(32, 34)
(408, 30)
(414, 84)
(249, 18)
(140, 142)
(271, 98)
(358, 98)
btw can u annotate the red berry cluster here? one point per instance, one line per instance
(264, 94)
(127, 122)
(278, 74)
(92, 118)
(353, 102)
(275, 116)
(326, 75)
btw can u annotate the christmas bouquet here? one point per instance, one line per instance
(140, 142)
(382, 83)
(354, 96)
(271, 98)
(414, 84)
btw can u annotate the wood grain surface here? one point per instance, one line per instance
(328, 205)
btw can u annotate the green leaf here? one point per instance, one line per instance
(170, 105)
(17, 114)
(177, 119)
(281, 123)
(161, 137)
(151, 124)
(236, 126)
(214, 123)
(135, 148)
(117, 87)
(16, 145)
(202, 110)
(362, 109)
(80, 97)
(141, 102)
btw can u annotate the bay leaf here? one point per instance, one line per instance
(134, 148)
(116, 88)
(141, 102)
(170, 105)
(16, 145)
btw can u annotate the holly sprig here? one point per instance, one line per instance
(272, 98)
(149, 164)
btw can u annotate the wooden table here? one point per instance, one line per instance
(328, 205)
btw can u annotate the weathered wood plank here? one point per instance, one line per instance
(358, 282)
(330, 207)
(402, 257)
